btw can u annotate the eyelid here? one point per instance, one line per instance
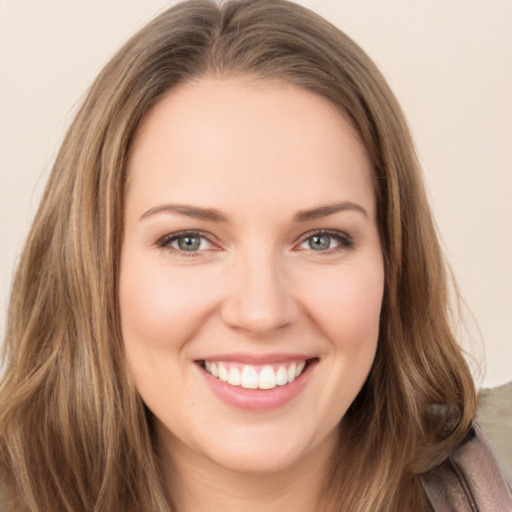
(345, 240)
(165, 241)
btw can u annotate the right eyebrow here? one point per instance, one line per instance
(187, 210)
(329, 209)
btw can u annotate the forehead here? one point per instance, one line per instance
(216, 140)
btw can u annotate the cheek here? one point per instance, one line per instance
(348, 314)
(160, 305)
(348, 309)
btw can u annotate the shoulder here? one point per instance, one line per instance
(470, 479)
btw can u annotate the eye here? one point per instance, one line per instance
(186, 242)
(326, 241)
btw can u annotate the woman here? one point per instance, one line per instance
(233, 295)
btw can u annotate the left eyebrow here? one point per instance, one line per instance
(188, 211)
(328, 209)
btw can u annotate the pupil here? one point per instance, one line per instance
(189, 243)
(319, 242)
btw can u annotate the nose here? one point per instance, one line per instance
(260, 299)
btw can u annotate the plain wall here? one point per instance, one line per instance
(448, 61)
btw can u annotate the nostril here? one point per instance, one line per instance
(258, 299)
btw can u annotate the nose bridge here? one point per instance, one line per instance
(260, 298)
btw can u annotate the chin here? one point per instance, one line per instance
(258, 460)
(267, 451)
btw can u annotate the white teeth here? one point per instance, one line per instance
(234, 376)
(291, 372)
(267, 378)
(281, 376)
(249, 378)
(223, 373)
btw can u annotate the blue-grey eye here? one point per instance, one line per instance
(186, 242)
(325, 241)
(319, 242)
(189, 242)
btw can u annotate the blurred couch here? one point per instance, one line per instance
(495, 417)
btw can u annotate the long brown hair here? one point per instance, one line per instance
(74, 434)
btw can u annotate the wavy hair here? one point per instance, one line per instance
(74, 434)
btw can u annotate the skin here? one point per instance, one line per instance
(258, 152)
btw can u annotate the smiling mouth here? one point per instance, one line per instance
(262, 377)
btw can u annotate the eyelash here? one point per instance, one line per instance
(344, 240)
(166, 241)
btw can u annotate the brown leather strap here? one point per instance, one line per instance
(469, 480)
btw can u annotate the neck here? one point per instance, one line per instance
(196, 484)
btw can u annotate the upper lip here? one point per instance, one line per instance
(256, 359)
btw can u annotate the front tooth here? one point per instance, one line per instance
(214, 369)
(267, 378)
(281, 376)
(249, 378)
(234, 376)
(223, 373)
(299, 368)
(291, 372)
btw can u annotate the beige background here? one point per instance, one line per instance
(448, 61)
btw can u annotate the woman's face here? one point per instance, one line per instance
(251, 254)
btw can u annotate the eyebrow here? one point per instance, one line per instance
(195, 212)
(329, 209)
(214, 215)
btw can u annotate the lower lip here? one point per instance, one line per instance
(258, 399)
